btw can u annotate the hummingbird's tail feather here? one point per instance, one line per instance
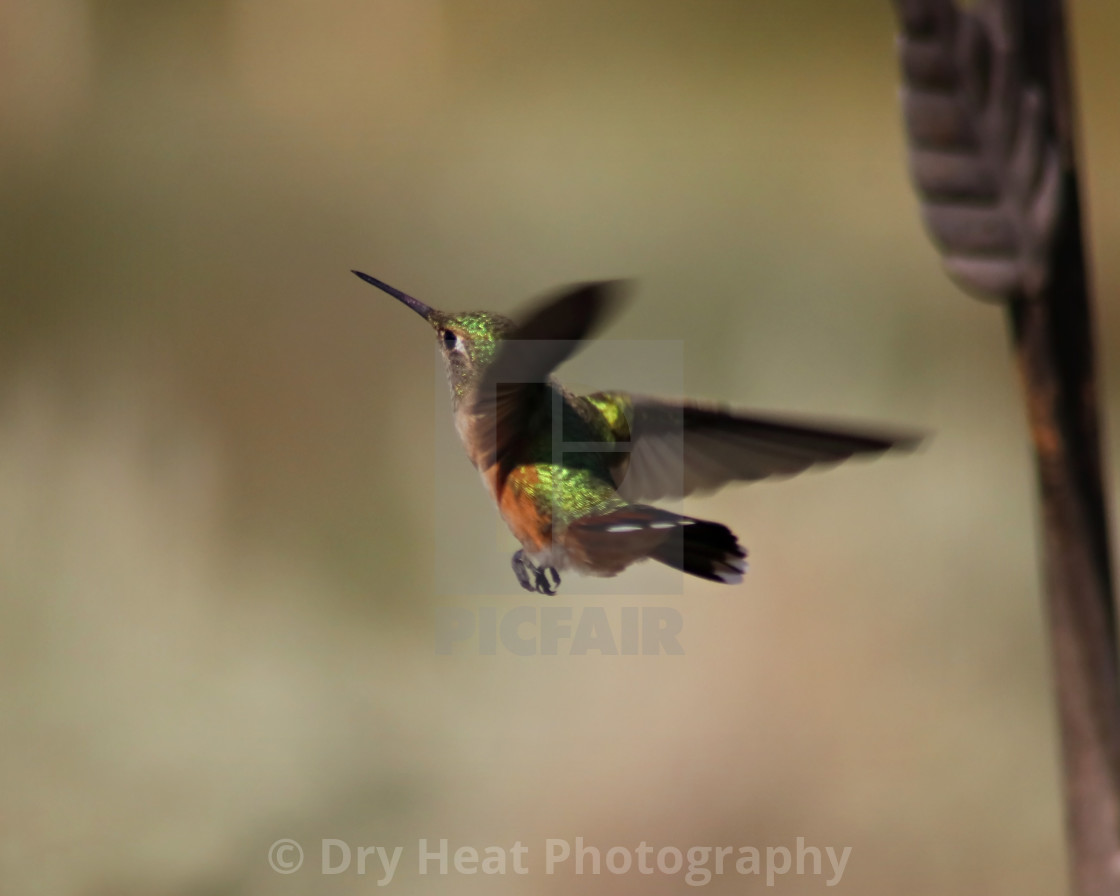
(705, 549)
(608, 543)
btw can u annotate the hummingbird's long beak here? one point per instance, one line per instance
(425, 311)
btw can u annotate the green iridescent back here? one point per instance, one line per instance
(576, 481)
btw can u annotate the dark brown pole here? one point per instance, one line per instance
(1054, 344)
(1002, 71)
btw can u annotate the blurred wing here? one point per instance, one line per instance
(677, 449)
(525, 359)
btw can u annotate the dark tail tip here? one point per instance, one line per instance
(704, 549)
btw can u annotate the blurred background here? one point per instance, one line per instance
(222, 471)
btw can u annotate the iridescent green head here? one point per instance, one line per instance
(467, 341)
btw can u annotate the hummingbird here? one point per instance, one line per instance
(572, 474)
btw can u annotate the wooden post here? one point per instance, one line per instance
(998, 182)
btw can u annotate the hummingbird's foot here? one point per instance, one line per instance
(521, 567)
(540, 579)
(548, 580)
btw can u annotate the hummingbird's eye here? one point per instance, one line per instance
(450, 340)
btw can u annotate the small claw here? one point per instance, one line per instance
(521, 567)
(545, 585)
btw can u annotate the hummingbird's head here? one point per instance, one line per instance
(467, 341)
